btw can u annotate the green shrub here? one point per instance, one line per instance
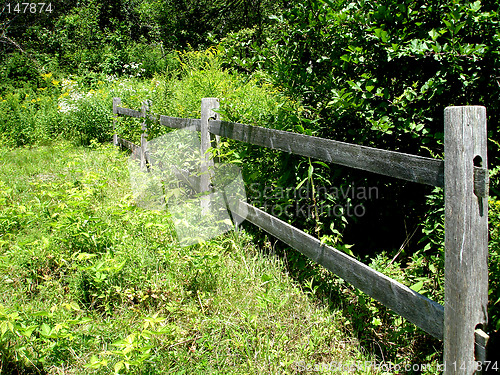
(494, 257)
(18, 71)
(91, 121)
(152, 59)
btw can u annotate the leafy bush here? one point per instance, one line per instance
(19, 71)
(494, 263)
(387, 69)
(250, 100)
(91, 121)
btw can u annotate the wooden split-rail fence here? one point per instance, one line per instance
(461, 322)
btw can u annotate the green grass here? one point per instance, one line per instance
(90, 283)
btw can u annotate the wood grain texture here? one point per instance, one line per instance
(207, 113)
(176, 122)
(389, 163)
(144, 135)
(423, 312)
(131, 146)
(466, 211)
(128, 112)
(116, 103)
(466, 237)
(481, 182)
(481, 339)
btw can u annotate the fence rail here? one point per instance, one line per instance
(464, 175)
(424, 313)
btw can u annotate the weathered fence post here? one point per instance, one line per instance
(466, 236)
(207, 104)
(116, 103)
(144, 135)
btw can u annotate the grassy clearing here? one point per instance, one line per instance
(93, 284)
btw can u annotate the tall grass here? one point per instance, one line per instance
(93, 284)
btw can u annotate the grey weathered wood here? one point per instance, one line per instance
(116, 103)
(144, 113)
(176, 122)
(423, 312)
(131, 146)
(144, 142)
(389, 163)
(481, 344)
(466, 191)
(207, 104)
(466, 237)
(188, 178)
(481, 181)
(128, 112)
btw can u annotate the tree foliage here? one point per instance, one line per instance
(386, 70)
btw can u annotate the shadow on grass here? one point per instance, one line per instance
(9, 367)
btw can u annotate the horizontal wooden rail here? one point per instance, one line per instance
(400, 165)
(423, 312)
(128, 112)
(177, 122)
(127, 144)
(389, 163)
(407, 167)
(171, 122)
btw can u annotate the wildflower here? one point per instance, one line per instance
(47, 76)
(33, 100)
(42, 88)
(55, 83)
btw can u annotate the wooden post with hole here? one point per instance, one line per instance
(466, 237)
(144, 135)
(207, 114)
(116, 103)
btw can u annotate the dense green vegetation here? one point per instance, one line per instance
(91, 283)
(373, 73)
